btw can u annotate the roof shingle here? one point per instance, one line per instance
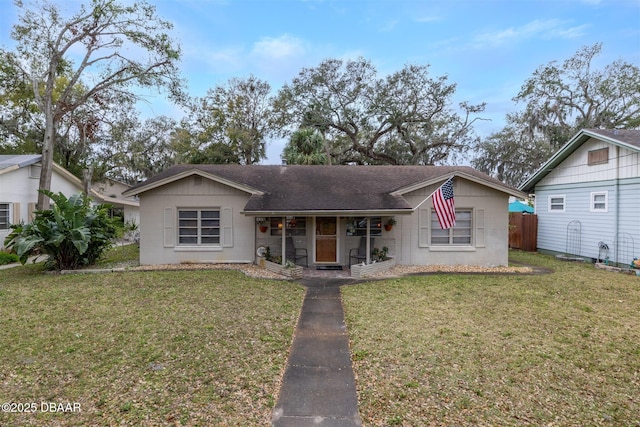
(327, 188)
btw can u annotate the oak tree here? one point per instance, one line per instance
(109, 47)
(403, 118)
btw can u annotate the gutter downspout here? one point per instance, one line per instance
(617, 204)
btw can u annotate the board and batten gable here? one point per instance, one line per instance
(489, 224)
(604, 197)
(159, 223)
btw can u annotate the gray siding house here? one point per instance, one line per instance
(225, 213)
(593, 182)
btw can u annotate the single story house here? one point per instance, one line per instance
(587, 196)
(225, 213)
(19, 183)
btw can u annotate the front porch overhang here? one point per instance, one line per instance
(338, 213)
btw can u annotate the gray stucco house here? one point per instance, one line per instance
(224, 213)
(587, 196)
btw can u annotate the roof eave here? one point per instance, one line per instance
(184, 174)
(580, 138)
(502, 188)
(329, 212)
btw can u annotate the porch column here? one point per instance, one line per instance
(284, 240)
(368, 246)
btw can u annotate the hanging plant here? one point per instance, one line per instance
(390, 223)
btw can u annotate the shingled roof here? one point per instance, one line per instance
(323, 188)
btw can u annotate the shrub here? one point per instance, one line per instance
(73, 233)
(8, 258)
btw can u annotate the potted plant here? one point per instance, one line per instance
(379, 254)
(390, 223)
(262, 224)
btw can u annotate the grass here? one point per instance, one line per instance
(144, 348)
(210, 347)
(7, 258)
(554, 349)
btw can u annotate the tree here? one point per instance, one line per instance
(21, 131)
(136, 151)
(105, 32)
(505, 152)
(306, 147)
(561, 100)
(404, 118)
(237, 115)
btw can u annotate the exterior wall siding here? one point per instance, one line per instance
(158, 223)
(576, 180)
(575, 168)
(629, 216)
(596, 227)
(20, 189)
(490, 235)
(158, 210)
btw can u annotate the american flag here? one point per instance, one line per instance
(443, 204)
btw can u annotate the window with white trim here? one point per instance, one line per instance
(198, 226)
(5, 219)
(556, 203)
(599, 201)
(357, 226)
(460, 234)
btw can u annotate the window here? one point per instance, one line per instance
(198, 227)
(4, 216)
(599, 202)
(460, 234)
(556, 203)
(296, 225)
(598, 157)
(357, 226)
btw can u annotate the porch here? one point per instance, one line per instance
(318, 242)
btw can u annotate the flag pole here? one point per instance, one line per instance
(430, 195)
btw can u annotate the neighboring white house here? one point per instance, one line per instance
(587, 196)
(110, 191)
(19, 182)
(214, 213)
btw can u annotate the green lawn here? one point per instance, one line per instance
(555, 349)
(144, 348)
(210, 347)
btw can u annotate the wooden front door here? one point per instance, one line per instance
(326, 239)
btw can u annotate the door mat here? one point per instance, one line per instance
(328, 267)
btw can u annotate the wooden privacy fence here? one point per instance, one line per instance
(523, 231)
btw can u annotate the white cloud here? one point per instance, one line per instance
(285, 46)
(546, 29)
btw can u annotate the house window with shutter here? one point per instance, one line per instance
(460, 234)
(598, 157)
(5, 219)
(199, 226)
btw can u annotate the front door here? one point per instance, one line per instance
(326, 239)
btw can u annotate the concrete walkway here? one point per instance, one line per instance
(318, 387)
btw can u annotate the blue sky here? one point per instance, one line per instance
(487, 47)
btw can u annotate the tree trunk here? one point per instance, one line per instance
(47, 162)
